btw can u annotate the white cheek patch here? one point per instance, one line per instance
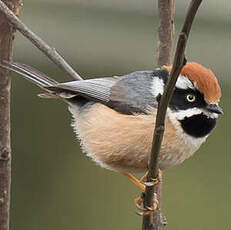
(184, 83)
(157, 86)
(181, 114)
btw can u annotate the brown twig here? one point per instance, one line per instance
(6, 38)
(38, 42)
(165, 34)
(179, 61)
(165, 31)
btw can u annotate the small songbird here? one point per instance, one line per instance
(114, 117)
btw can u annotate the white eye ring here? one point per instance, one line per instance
(191, 97)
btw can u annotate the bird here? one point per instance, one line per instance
(114, 117)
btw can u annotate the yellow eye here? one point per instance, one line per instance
(191, 97)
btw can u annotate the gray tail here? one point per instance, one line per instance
(29, 73)
(40, 79)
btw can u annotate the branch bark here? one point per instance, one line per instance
(38, 42)
(6, 38)
(165, 36)
(154, 222)
(165, 31)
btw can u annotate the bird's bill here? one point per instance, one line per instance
(214, 108)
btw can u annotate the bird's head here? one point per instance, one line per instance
(195, 99)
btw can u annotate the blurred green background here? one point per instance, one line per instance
(54, 186)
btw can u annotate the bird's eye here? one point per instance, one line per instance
(191, 97)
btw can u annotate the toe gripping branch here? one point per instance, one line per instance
(145, 211)
(142, 184)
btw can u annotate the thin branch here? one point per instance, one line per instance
(179, 61)
(6, 39)
(38, 42)
(165, 31)
(165, 36)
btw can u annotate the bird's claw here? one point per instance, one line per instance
(151, 183)
(146, 211)
(154, 181)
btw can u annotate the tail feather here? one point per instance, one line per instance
(31, 74)
(40, 79)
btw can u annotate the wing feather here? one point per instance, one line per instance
(95, 89)
(128, 94)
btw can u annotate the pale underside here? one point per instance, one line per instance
(123, 142)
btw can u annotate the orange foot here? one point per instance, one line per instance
(147, 210)
(155, 181)
(143, 181)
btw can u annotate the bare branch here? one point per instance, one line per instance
(165, 31)
(6, 38)
(38, 42)
(179, 61)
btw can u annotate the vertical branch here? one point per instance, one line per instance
(165, 31)
(166, 10)
(165, 37)
(6, 38)
(154, 222)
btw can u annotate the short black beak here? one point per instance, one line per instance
(214, 108)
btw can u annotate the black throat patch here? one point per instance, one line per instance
(198, 125)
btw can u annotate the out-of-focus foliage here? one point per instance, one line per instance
(54, 185)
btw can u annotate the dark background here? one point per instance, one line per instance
(54, 186)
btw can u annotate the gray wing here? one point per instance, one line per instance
(126, 94)
(131, 93)
(97, 89)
